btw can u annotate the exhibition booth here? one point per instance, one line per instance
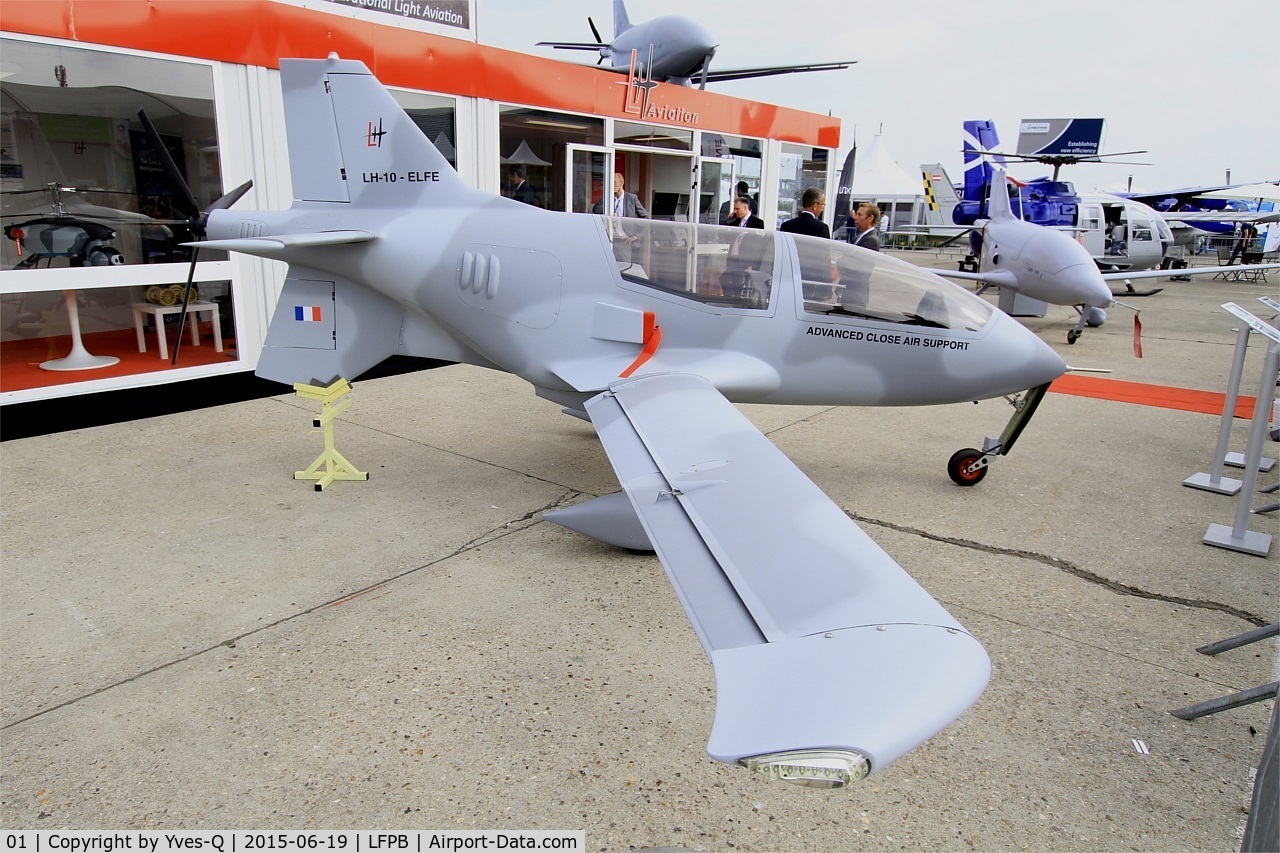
(92, 264)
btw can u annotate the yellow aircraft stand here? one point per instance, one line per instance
(336, 466)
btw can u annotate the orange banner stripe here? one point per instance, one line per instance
(260, 32)
(1160, 396)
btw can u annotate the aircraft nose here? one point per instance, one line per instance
(1087, 286)
(1027, 361)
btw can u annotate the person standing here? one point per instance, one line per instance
(863, 224)
(623, 205)
(809, 220)
(519, 187)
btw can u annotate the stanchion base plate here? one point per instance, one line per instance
(1224, 486)
(1252, 542)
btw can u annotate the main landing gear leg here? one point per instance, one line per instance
(969, 465)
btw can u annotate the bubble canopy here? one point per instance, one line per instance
(744, 268)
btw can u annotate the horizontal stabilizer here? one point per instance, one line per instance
(819, 639)
(279, 242)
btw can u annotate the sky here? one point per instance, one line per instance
(1193, 84)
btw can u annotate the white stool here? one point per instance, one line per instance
(159, 312)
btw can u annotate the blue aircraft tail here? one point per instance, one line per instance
(979, 136)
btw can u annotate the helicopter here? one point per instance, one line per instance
(83, 242)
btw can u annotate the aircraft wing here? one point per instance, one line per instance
(714, 76)
(824, 648)
(572, 45)
(1194, 216)
(1000, 278)
(1130, 276)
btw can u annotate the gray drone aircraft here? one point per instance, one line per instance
(1050, 265)
(672, 49)
(830, 660)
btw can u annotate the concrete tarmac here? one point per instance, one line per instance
(193, 639)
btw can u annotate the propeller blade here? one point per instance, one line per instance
(230, 198)
(170, 167)
(186, 300)
(706, 67)
(594, 31)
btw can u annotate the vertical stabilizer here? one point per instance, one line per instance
(940, 194)
(621, 23)
(979, 137)
(350, 143)
(998, 206)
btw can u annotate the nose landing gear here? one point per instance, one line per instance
(968, 466)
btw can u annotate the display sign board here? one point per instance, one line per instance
(455, 18)
(1077, 137)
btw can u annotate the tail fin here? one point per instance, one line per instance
(940, 194)
(979, 136)
(351, 143)
(621, 23)
(998, 206)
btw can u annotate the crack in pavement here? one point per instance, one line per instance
(492, 535)
(1069, 568)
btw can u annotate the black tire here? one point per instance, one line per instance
(959, 464)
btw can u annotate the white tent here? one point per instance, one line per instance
(878, 178)
(877, 175)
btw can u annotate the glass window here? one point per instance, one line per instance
(80, 182)
(58, 337)
(745, 152)
(717, 265)
(800, 168)
(652, 136)
(531, 145)
(843, 280)
(435, 116)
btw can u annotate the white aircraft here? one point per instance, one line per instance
(671, 49)
(830, 661)
(1048, 264)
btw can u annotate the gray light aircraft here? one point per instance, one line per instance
(1050, 265)
(672, 49)
(830, 660)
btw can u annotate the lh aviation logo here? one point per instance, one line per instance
(373, 137)
(637, 99)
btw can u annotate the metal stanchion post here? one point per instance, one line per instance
(1239, 537)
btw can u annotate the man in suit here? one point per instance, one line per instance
(726, 209)
(809, 221)
(623, 205)
(519, 187)
(742, 216)
(862, 227)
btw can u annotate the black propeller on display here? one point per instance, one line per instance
(603, 45)
(198, 220)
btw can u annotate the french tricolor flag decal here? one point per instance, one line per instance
(307, 313)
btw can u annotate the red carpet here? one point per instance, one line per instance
(20, 360)
(1160, 396)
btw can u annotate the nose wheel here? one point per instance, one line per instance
(967, 466)
(1074, 335)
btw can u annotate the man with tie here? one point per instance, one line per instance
(862, 227)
